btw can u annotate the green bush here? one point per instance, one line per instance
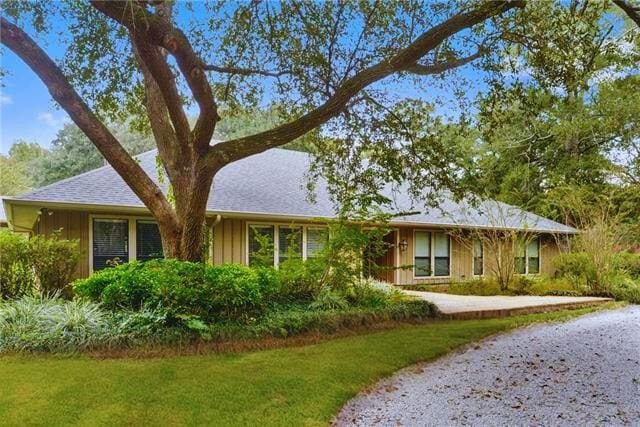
(577, 268)
(181, 288)
(300, 280)
(40, 263)
(628, 262)
(16, 272)
(374, 294)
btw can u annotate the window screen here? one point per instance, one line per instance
(289, 243)
(316, 240)
(110, 242)
(261, 245)
(533, 256)
(478, 257)
(441, 252)
(422, 254)
(148, 241)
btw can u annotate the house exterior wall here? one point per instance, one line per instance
(229, 244)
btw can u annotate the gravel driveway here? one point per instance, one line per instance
(582, 372)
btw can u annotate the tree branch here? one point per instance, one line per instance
(160, 32)
(61, 90)
(632, 11)
(239, 71)
(229, 151)
(441, 67)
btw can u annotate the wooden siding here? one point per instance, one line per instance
(71, 225)
(229, 240)
(229, 245)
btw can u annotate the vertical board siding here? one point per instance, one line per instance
(71, 225)
(229, 241)
(229, 246)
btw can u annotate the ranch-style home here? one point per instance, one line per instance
(266, 194)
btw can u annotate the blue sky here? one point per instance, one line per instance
(26, 109)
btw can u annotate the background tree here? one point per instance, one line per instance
(72, 153)
(566, 120)
(322, 62)
(16, 168)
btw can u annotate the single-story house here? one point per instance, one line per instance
(266, 193)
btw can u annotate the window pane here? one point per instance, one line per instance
(422, 251)
(422, 266)
(289, 243)
(316, 241)
(110, 242)
(423, 244)
(261, 247)
(533, 253)
(520, 261)
(148, 241)
(478, 257)
(441, 242)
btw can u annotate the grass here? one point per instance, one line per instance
(288, 386)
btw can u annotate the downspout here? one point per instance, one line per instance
(215, 222)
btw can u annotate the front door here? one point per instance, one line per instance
(382, 266)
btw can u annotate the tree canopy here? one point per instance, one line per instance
(374, 80)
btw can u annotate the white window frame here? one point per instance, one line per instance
(473, 255)
(131, 222)
(431, 254)
(276, 237)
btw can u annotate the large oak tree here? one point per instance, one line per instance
(132, 57)
(158, 62)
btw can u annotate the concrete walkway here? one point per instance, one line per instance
(475, 307)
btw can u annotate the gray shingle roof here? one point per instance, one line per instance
(273, 183)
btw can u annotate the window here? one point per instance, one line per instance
(148, 241)
(289, 243)
(533, 257)
(478, 257)
(527, 260)
(441, 243)
(422, 257)
(316, 241)
(261, 245)
(431, 254)
(520, 262)
(110, 242)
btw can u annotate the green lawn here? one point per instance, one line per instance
(289, 386)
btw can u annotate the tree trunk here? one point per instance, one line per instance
(183, 238)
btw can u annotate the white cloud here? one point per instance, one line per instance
(52, 121)
(5, 100)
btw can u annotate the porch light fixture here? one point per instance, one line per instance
(403, 245)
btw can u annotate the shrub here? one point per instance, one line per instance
(628, 262)
(181, 288)
(577, 268)
(16, 272)
(54, 261)
(40, 263)
(300, 280)
(372, 293)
